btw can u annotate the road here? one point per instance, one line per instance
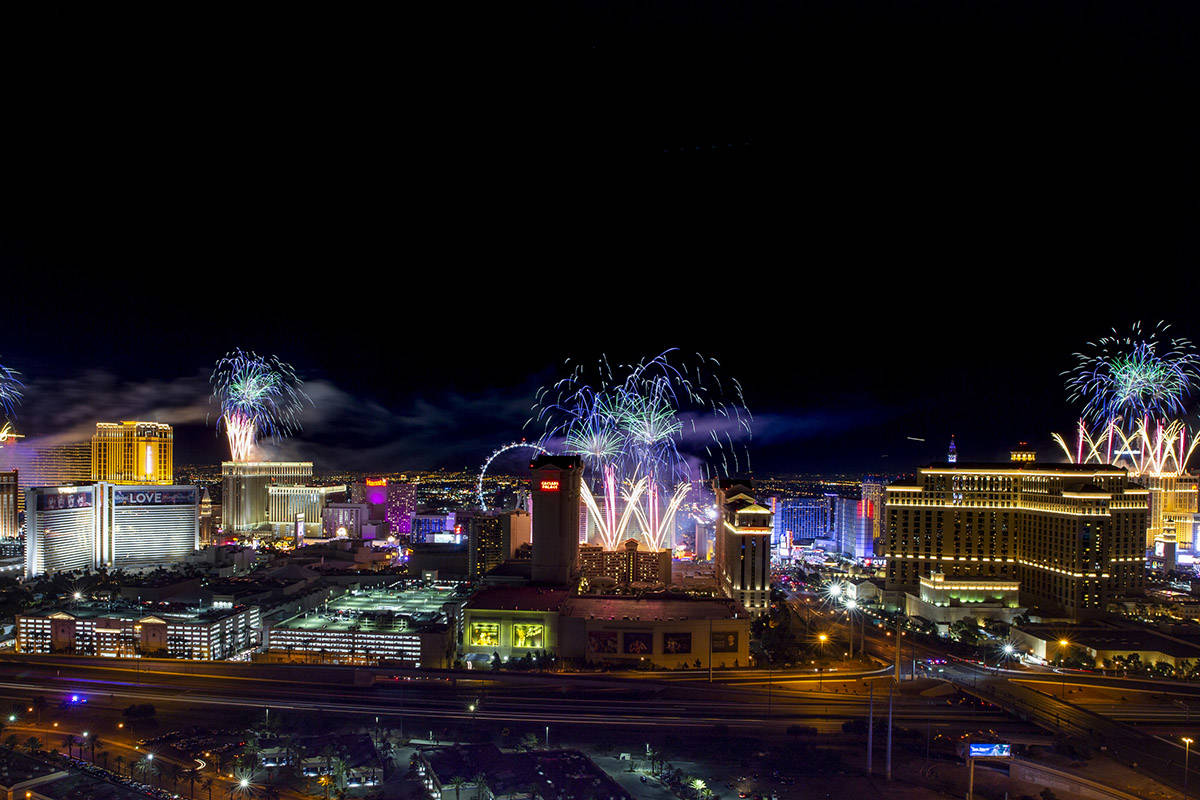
(637, 703)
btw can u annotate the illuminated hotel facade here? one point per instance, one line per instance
(245, 498)
(284, 502)
(1173, 517)
(743, 546)
(628, 564)
(105, 525)
(135, 453)
(9, 492)
(45, 465)
(1073, 536)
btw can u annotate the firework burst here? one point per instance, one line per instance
(259, 397)
(646, 432)
(10, 391)
(1127, 377)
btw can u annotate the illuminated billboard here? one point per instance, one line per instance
(548, 486)
(638, 644)
(990, 750)
(528, 635)
(602, 641)
(677, 643)
(485, 634)
(155, 497)
(63, 499)
(725, 641)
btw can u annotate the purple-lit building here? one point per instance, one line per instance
(401, 506)
(390, 500)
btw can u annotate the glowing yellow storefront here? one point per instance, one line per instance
(512, 622)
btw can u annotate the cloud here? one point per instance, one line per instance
(342, 430)
(60, 410)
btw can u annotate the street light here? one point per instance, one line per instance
(1063, 644)
(1187, 749)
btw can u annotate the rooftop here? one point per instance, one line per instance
(171, 612)
(648, 609)
(79, 786)
(17, 768)
(1108, 638)
(519, 598)
(565, 774)
(378, 610)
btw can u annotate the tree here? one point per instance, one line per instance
(207, 784)
(191, 776)
(120, 765)
(458, 781)
(173, 773)
(33, 745)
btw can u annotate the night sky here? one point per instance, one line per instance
(886, 221)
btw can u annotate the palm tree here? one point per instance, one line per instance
(457, 782)
(479, 779)
(173, 773)
(120, 764)
(33, 744)
(191, 776)
(328, 752)
(103, 756)
(207, 783)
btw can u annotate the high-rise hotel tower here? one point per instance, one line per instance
(1073, 535)
(133, 453)
(743, 546)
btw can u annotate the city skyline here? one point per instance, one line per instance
(852, 409)
(866, 424)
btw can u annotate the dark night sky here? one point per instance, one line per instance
(887, 220)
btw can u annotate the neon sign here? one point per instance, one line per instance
(549, 486)
(376, 481)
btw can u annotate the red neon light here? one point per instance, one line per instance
(549, 486)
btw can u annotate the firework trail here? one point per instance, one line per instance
(10, 391)
(640, 428)
(1126, 378)
(259, 397)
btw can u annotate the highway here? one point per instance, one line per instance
(616, 703)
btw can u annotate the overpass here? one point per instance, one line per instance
(1155, 757)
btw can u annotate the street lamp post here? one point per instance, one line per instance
(822, 638)
(1187, 748)
(1063, 644)
(851, 607)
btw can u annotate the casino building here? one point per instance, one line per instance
(245, 490)
(285, 501)
(630, 564)
(1072, 536)
(743, 546)
(105, 525)
(131, 452)
(9, 493)
(672, 633)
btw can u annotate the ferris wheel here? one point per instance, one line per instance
(498, 452)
